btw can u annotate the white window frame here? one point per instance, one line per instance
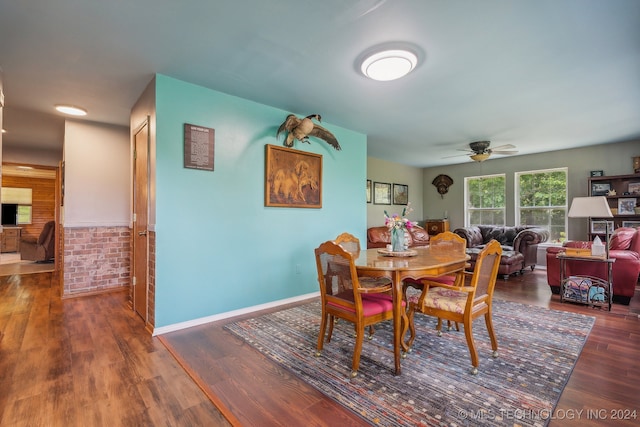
(565, 207)
(468, 210)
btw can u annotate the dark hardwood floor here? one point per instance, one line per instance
(89, 362)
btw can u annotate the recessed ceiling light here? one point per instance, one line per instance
(24, 168)
(70, 109)
(389, 64)
(4, 131)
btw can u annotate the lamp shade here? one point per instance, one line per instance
(585, 207)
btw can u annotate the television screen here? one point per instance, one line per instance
(9, 213)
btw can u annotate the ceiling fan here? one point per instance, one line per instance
(479, 151)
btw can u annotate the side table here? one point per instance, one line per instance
(584, 289)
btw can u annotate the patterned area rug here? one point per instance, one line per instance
(538, 349)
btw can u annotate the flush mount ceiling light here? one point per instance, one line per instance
(389, 64)
(70, 109)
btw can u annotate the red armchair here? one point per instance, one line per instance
(624, 247)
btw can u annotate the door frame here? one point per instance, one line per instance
(135, 261)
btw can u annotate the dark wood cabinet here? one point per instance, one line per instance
(436, 226)
(623, 204)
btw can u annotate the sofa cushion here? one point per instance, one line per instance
(419, 236)
(379, 235)
(621, 238)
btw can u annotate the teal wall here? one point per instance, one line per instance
(218, 248)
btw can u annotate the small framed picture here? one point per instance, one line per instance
(627, 206)
(381, 193)
(634, 188)
(597, 173)
(368, 191)
(600, 188)
(600, 227)
(400, 194)
(632, 224)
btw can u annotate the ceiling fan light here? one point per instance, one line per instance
(71, 110)
(389, 64)
(479, 157)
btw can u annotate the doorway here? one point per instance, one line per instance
(140, 264)
(35, 190)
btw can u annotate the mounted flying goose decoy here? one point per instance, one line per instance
(302, 129)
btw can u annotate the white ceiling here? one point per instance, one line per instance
(539, 74)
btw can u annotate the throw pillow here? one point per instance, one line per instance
(621, 239)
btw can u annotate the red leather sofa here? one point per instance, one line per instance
(380, 237)
(624, 247)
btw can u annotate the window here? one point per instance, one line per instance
(541, 199)
(484, 200)
(16, 205)
(24, 214)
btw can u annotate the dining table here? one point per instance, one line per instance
(414, 263)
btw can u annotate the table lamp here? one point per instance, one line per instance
(595, 207)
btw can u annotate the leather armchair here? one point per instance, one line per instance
(624, 247)
(41, 249)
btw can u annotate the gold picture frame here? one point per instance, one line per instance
(293, 178)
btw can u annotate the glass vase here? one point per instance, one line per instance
(397, 240)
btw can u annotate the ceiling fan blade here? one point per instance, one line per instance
(457, 155)
(502, 147)
(503, 152)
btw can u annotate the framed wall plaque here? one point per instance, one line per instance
(198, 147)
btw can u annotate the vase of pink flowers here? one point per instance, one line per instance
(398, 226)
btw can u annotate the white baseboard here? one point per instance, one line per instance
(233, 313)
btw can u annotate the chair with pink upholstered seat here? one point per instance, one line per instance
(462, 304)
(345, 296)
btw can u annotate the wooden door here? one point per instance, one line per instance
(140, 221)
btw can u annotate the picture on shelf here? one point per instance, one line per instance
(634, 188)
(627, 206)
(600, 227)
(600, 188)
(631, 224)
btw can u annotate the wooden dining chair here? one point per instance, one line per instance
(345, 296)
(445, 242)
(349, 242)
(462, 304)
(352, 244)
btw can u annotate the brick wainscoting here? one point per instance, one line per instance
(96, 259)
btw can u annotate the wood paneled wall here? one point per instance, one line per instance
(43, 201)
